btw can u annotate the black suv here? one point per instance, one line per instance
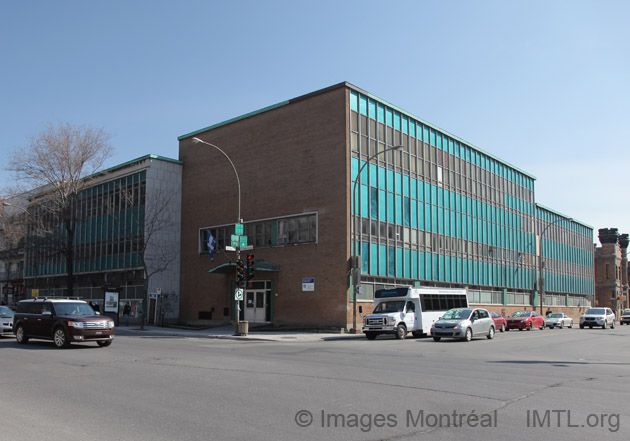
(63, 321)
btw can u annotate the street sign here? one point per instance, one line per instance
(238, 241)
(238, 229)
(238, 294)
(229, 248)
(308, 284)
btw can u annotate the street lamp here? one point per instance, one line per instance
(238, 219)
(238, 181)
(356, 265)
(541, 277)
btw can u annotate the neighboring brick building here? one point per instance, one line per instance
(440, 212)
(611, 270)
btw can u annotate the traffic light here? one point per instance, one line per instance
(240, 273)
(250, 267)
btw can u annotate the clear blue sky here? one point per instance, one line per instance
(543, 85)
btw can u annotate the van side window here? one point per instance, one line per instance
(410, 307)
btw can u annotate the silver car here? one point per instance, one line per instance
(6, 321)
(464, 324)
(558, 320)
(603, 317)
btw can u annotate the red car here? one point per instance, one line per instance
(499, 321)
(525, 320)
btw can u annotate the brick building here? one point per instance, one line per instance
(611, 270)
(436, 212)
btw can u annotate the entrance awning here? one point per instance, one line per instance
(230, 267)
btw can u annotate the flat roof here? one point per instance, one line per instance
(361, 91)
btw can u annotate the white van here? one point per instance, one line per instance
(402, 310)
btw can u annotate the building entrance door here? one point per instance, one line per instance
(257, 306)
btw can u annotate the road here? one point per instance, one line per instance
(565, 384)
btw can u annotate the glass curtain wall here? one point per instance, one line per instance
(438, 211)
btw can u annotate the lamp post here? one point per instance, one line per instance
(356, 265)
(238, 219)
(541, 277)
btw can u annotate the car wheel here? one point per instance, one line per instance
(468, 336)
(581, 326)
(502, 328)
(104, 343)
(571, 324)
(401, 332)
(60, 339)
(370, 335)
(612, 325)
(605, 325)
(491, 333)
(20, 335)
(437, 338)
(530, 327)
(561, 325)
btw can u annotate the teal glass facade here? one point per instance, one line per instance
(441, 211)
(109, 221)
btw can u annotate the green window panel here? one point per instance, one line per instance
(398, 183)
(405, 125)
(390, 181)
(428, 266)
(390, 208)
(372, 109)
(407, 211)
(365, 257)
(381, 113)
(374, 259)
(389, 117)
(382, 181)
(397, 121)
(382, 205)
(373, 174)
(374, 208)
(421, 216)
(422, 266)
(447, 269)
(414, 214)
(414, 188)
(382, 260)
(365, 210)
(414, 265)
(391, 261)
(363, 104)
(412, 128)
(399, 262)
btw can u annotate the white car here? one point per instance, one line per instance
(6, 321)
(558, 319)
(603, 317)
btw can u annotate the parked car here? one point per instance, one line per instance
(558, 319)
(625, 317)
(464, 323)
(603, 317)
(6, 320)
(62, 321)
(525, 320)
(499, 321)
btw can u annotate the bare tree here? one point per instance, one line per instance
(59, 162)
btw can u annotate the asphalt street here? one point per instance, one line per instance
(568, 384)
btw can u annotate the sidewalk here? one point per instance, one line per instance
(227, 332)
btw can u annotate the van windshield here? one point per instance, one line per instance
(394, 306)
